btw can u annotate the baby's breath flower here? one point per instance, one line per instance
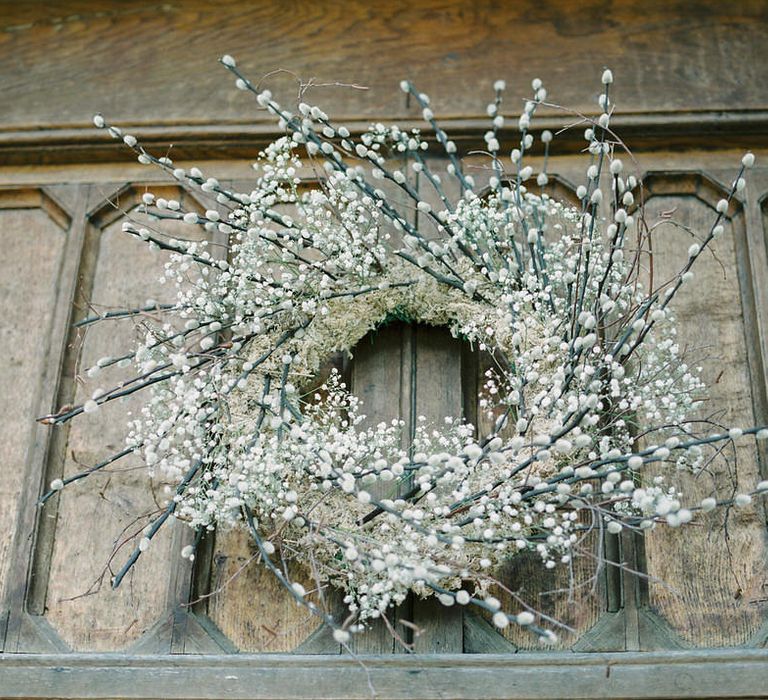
(585, 359)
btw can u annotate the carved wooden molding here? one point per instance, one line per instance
(558, 187)
(35, 198)
(121, 202)
(693, 183)
(244, 139)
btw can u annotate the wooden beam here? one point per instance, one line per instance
(82, 143)
(726, 673)
(159, 60)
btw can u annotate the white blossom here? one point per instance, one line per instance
(586, 358)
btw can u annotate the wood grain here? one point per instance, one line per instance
(438, 394)
(30, 240)
(399, 371)
(116, 501)
(250, 605)
(711, 576)
(380, 375)
(713, 674)
(156, 62)
(695, 612)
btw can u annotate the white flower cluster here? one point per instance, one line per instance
(584, 359)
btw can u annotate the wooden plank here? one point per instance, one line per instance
(380, 376)
(445, 46)
(31, 241)
(23, 630)
(244, 140)
(712, 576)
(481, 637)
(572, 596)
(752, 262)
(716, 674)
(79, 600)
(180, 631)
(439, 629)
(437, 388)
(249, 605)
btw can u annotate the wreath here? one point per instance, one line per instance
(582, 354)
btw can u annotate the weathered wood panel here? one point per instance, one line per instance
(438, 388)
(400, 371)
(706, 56)
(116, 501)
(711, 577)
(685, 612)
(380, 375)
(30, 240)
(249, 604)
(718, 674)
(413, 373)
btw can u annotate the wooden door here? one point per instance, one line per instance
(688, 110)
(406, 372)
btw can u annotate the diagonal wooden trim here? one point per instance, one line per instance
(80, 143)
(182, 632)
(118, 204)
(481, 637)
(35, 198)
(694, 183)
(558, 187)
(732, 673)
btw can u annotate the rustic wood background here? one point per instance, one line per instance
(691, 89)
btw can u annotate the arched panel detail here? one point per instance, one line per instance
(558, 187)
(35, 234)
(691, 183)
(116, 270)
(127, 197)
(36, 198)
(720, 327)
(561, 189)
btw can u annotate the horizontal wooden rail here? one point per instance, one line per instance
(81, 143)
(733, 673)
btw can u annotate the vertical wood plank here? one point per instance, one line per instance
(118, 500)
(33, 248)
(438, 393)
(381, 372)
(713, 574)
